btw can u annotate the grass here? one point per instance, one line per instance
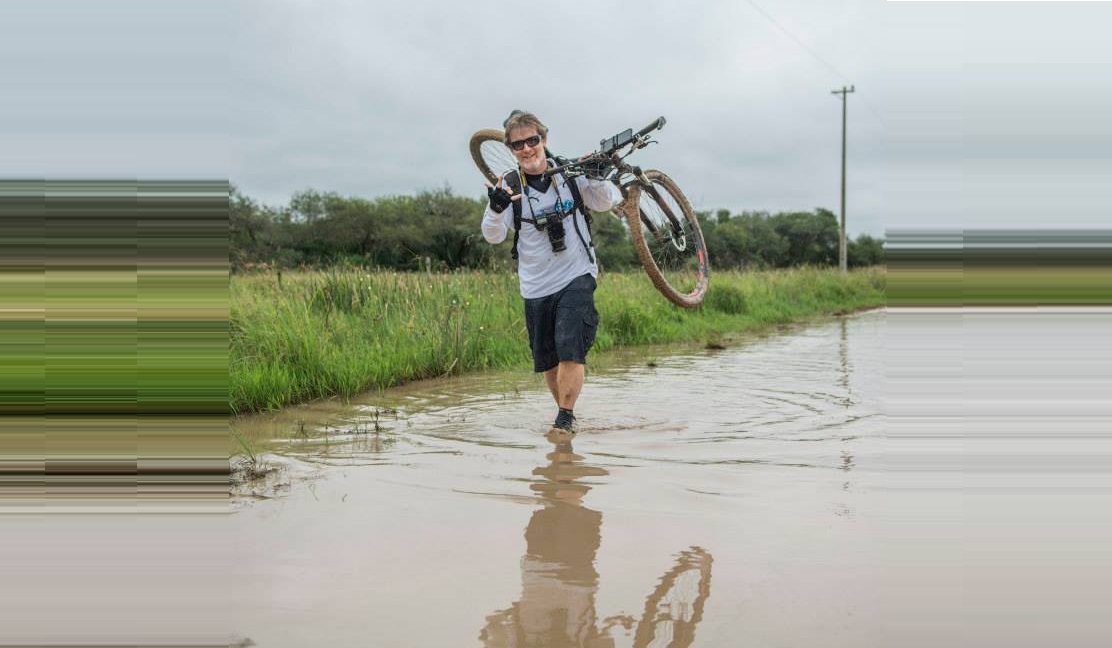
(250, 465)
(304, 336)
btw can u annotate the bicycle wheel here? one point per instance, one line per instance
(674, 609)
(491, 154)
(669, 241)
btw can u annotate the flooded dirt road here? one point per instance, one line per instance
(709, 497)
(866, 481)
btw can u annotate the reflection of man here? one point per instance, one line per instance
(558, 577)
(559, 581)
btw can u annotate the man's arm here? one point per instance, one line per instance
(496, 225)
(599, 195)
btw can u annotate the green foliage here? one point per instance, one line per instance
(437, 230)
(431, 230)
(812, 239)
(864, 251)
(757, 240)
(252, 230)
(311, 335)
(728, 299)
(612, 243)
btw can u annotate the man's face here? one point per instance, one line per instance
(531, 155)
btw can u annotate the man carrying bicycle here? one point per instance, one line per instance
(556, 268)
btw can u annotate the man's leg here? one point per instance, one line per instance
(565, 381)
(576, 321)
(569, 382)
(550, 378)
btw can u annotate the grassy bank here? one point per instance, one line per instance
(308, 335)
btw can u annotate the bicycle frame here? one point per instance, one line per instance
(631, 189)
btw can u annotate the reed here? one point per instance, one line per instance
(296, 337)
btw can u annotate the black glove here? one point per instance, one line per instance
(499, 199)
(597, 167)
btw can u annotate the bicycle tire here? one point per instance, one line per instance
(491, 155)
(674, 609)
(677, 264)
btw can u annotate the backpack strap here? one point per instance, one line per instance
(573, 186)
(513, 181)
(577, 198)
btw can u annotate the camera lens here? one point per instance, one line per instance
(556, 235)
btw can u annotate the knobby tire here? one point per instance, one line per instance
(487, 147)
(677, 266)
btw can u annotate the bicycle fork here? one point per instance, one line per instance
(631, 208)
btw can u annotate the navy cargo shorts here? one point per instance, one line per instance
(562, 326)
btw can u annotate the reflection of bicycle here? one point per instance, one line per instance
(664, 228)
(675, 607)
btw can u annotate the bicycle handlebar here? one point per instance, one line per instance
(656, 125)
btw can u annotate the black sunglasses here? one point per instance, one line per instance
(520, 144)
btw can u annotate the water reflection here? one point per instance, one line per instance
(558, 577)
(559, 580)
(844, 366)
(675, 607)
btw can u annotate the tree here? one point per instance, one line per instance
(865, 251)
(322, 228)
(812, 237)
(612, 242)
(251, 230)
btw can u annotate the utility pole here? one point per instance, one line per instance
(842, 237)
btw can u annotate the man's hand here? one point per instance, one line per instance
(597, 166)
(500, 199)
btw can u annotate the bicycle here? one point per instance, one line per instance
(661, 222)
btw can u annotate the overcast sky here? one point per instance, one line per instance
(965, 115)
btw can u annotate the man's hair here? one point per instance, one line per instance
(522, 119)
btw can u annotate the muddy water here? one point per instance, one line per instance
(710, 496)
(749, 496)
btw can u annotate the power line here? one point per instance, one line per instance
(798, 41)
(813, 53)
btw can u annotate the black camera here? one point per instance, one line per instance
(556, 236)
(551, 222)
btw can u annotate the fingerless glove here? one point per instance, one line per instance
(499, 199)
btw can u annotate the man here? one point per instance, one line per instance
(555, 262)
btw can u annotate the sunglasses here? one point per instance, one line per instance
(517, 145)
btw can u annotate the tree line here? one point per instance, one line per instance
(439, 230)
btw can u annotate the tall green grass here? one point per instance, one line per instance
(302, 336)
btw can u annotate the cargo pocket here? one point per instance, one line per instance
(590, 328)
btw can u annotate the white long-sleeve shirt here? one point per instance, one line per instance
(541, 271)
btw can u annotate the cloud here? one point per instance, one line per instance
(972, 113)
